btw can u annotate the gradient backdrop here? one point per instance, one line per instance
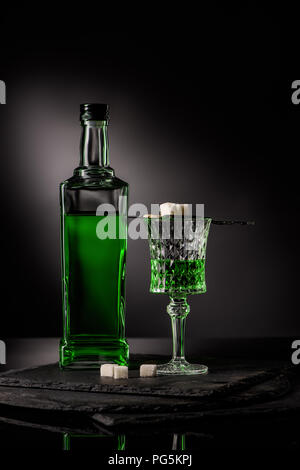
(194, 118)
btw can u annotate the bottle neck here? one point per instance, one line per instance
(94, 154)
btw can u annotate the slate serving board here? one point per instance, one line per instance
(230, 388)
(220, 381)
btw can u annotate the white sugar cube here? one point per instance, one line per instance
(171, 208)
(148, 370)
(107, 370)
(120, 372)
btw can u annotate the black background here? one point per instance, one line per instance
(199, 113)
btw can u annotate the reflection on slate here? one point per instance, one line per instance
(108, 443)
(88, 410)
(117, 442)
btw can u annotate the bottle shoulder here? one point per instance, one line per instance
(95, 182)
(84, 195)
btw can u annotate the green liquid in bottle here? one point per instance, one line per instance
(94, 293)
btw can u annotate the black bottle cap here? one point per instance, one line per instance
(94, 112)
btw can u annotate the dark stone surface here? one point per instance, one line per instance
(233, 388)
(221, 380)
(252, 401)
(218, 384)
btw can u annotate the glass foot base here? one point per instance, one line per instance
(181, 368)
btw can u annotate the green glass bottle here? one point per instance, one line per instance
(93, 257)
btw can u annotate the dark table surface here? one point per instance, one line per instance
(272, 423)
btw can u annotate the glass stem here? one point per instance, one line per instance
(178, 309)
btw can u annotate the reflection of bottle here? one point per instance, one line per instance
(93, 265)
(94, 441)
(178, 442)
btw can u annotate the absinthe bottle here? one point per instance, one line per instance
(93, 252)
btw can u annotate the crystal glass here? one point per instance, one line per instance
(178, 252)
